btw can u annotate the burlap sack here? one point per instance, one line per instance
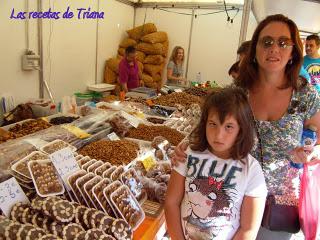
(151, 85)
(127, 42)
(121, 51)
(149, 48)
(113, 64)
(140, 56)
(146, 78)
(138, 32)
(154, 59)
(165, 48)
(157, 78)
(140, 67)
(152, 69)
(110, 76)
(156, 37)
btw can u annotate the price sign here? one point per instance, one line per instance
(10, 194)
(65, 163)
(148, 162)
(178, 90)
(113, 136)
(132, 120)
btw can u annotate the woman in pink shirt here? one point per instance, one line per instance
(128, 70)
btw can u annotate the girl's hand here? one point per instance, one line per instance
(305, 154)
(179, 154)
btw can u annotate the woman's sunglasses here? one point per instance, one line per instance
(282, 42)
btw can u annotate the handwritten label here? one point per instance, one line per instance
(148, 162)
(113, 136)
(132, 120)
(10, 194)
(178, 90)
(65, 163)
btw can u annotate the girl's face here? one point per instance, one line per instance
(221, 136)
(274, 47)
(180, 54)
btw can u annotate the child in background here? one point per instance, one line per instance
(220, 191)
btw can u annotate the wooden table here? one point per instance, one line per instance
(150, 227)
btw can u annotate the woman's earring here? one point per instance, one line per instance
(290, 61)
(254, 60)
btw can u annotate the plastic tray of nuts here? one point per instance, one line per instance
(56, 145)
(45, 178)
(21, 166)
(128, 206)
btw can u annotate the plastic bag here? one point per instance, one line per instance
(309, 207)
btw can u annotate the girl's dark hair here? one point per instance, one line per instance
(249, 67)
(233, 101)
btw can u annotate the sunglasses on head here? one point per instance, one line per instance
(282, 42)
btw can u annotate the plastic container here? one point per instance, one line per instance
(80, 186)
(98, 194)
(88, 164)
(100, 170)
(108, 191)
(21, 166)
(117, 173)
(94, 166)
(56, 145)
(88, 187)
(133, 219)
(108, 172)
(82, 161)
(131, 180)
(72, 183)
(54, 173)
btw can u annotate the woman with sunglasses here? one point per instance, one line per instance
(282, 104)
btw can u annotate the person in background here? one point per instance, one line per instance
(128, 71)
(311, 61)
(234, 70)
(220, 191)
(282, 105)
(243, 49)
(175, 67)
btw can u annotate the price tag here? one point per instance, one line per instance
(132, 120)
(65, 163)
(10, 194)
(148, 162)
(178, 90)
(113, 136)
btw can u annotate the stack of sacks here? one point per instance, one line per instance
(152, 49)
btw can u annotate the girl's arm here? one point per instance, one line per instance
(250, 218)
(175, 193)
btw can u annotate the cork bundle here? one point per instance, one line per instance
(152, 49)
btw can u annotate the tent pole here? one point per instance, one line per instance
(245, 19)
(189, 46)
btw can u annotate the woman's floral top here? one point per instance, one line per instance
(279, 137)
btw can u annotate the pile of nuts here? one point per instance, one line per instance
(196, 91)
(29, 127)
(173, 99)
(148, 133)
(115, 152)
